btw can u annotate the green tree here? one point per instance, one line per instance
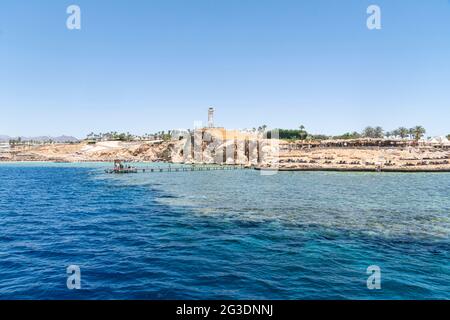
(403, 132)
(418, 132)
(319, 137)
(303, 134)
(370, 132)
(289, 134)
(395, 133)
(262, 128)
(348, 135)
(378, 132)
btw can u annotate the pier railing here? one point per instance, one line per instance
(176, 168)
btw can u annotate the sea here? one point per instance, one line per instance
(232, 234)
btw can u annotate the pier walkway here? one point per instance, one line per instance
(175, 168)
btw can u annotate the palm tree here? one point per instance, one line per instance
(368, 132)
(418, 132)
(303, 134)
(395, 133)
(262, 128)
(403, 132)
(378, 132)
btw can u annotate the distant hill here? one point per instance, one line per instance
(4, 138)
(60, 139)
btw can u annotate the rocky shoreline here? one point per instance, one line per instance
(358, 169)
(262, 156)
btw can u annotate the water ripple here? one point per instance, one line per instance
(222, 234)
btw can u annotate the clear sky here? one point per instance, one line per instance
(146, 66)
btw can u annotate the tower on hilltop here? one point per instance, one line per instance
(211, 117)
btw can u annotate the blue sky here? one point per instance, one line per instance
(145, 66)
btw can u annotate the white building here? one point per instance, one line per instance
(4, 147)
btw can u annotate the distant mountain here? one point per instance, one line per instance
(4, 138)
(65, 139)
(60, 139)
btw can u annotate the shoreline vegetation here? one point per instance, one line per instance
(253, 150)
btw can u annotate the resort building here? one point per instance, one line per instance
(4, 147)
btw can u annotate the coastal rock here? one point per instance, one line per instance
(210, 147)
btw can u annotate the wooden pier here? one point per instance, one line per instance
(128, 169)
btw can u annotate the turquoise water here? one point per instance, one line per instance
(222, 234)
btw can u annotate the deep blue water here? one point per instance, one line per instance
(222, 234)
